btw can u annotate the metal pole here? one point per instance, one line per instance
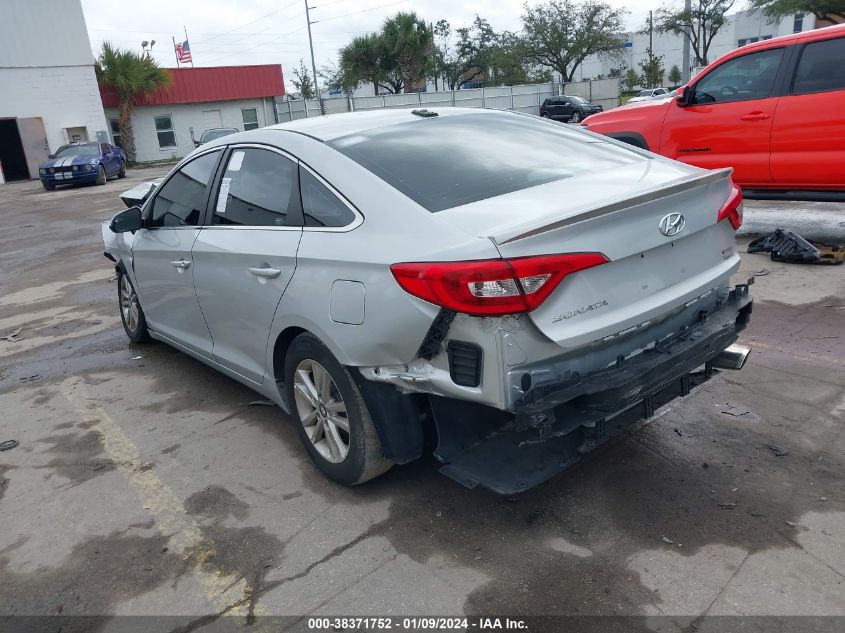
(174, 51)
(313, 65)
(650, 41)
(685, 71)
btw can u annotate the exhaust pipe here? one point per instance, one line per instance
(733, 357)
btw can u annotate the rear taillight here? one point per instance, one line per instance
(494, 286)
(732, 209)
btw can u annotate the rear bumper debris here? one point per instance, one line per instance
(560, 415)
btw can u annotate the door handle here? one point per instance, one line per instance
(266, 273)
(754, 116)
(181, 264)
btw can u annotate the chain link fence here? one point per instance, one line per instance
(526, 98)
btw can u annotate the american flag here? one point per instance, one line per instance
(183, 53)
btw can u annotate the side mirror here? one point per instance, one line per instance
(51, 156)
(126, 221)
(196, 143)
(682, 95)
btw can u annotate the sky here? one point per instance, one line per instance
(234, 32)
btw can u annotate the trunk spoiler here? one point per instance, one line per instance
(542, 226)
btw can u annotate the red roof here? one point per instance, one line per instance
(220, 83)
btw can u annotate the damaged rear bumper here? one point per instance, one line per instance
(559, 414)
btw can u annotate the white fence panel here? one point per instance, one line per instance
(434, 99)
(472, 98)
(410, 100)
(335, 105)
(368, 103)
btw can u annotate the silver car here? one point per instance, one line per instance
(530, 288)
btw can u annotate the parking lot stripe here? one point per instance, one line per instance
(163, 505)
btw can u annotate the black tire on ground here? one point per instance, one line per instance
(48, 186)
(576, 117)
(101, 176)
(132, 316)
(121, 173)
(365, 458)
(545, 115)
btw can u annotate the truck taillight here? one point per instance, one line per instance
(732, 209)
(494, 286)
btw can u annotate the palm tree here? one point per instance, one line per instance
(131, 76)
(409, 40)
(363, 60)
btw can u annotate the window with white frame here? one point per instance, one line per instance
(164, 131)
(250, 117)
(115, 133)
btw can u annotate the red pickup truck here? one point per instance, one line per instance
(773, 110)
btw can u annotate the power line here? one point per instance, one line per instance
(346, 15)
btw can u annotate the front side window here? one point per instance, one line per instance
(250, 117)
(104, 147)
(447, 161)
(257, 189)
(743, 78)
(821, 67)
(164, 131)
(181, 201)
(320, 206)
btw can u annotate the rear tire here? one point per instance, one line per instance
(330, 414)
(576, 117)
(101, 176)
(131, 314)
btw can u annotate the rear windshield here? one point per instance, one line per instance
(445, 162)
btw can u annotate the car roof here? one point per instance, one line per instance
(327, 128)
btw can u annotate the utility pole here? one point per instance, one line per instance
(313, 65)
(685, 68)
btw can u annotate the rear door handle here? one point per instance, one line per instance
(266, 273)
(754, 116)
(181, 264)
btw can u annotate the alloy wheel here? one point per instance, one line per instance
(129, 304)
(322, 410)
(576, 117)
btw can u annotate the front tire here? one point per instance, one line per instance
(330, 414)
(545, 115)
(101, 176)
(131, 314)
(121, 173)
(48, 186)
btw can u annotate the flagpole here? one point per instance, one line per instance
(189, 44)
(174, 51)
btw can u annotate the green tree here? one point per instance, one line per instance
(674, 76)
(131, 76)
(303, 82)
(699, 25)
(465, 55)
(632, 80)
(831, 10)
(560, 34)
(652, 70)
(364, 59)
(409, 42)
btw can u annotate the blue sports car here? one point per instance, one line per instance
(83, 163)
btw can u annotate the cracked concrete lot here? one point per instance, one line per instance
(143, 484)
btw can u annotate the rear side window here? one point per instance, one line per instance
(320, 206)
(447, 161)
(821, 67)
(256, 189)
(743, 78)
(181, 201)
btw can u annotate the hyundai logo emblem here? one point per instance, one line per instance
(672, 224)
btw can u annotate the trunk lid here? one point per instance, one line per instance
(617, 214)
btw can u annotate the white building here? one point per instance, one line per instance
(48, 90)
(742, 28)
(167, 121)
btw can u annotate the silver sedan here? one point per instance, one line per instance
(530, 289)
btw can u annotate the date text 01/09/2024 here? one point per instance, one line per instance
(424, 623)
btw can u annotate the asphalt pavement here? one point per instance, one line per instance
(145, 483)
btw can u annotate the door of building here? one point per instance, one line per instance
(34, 143)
